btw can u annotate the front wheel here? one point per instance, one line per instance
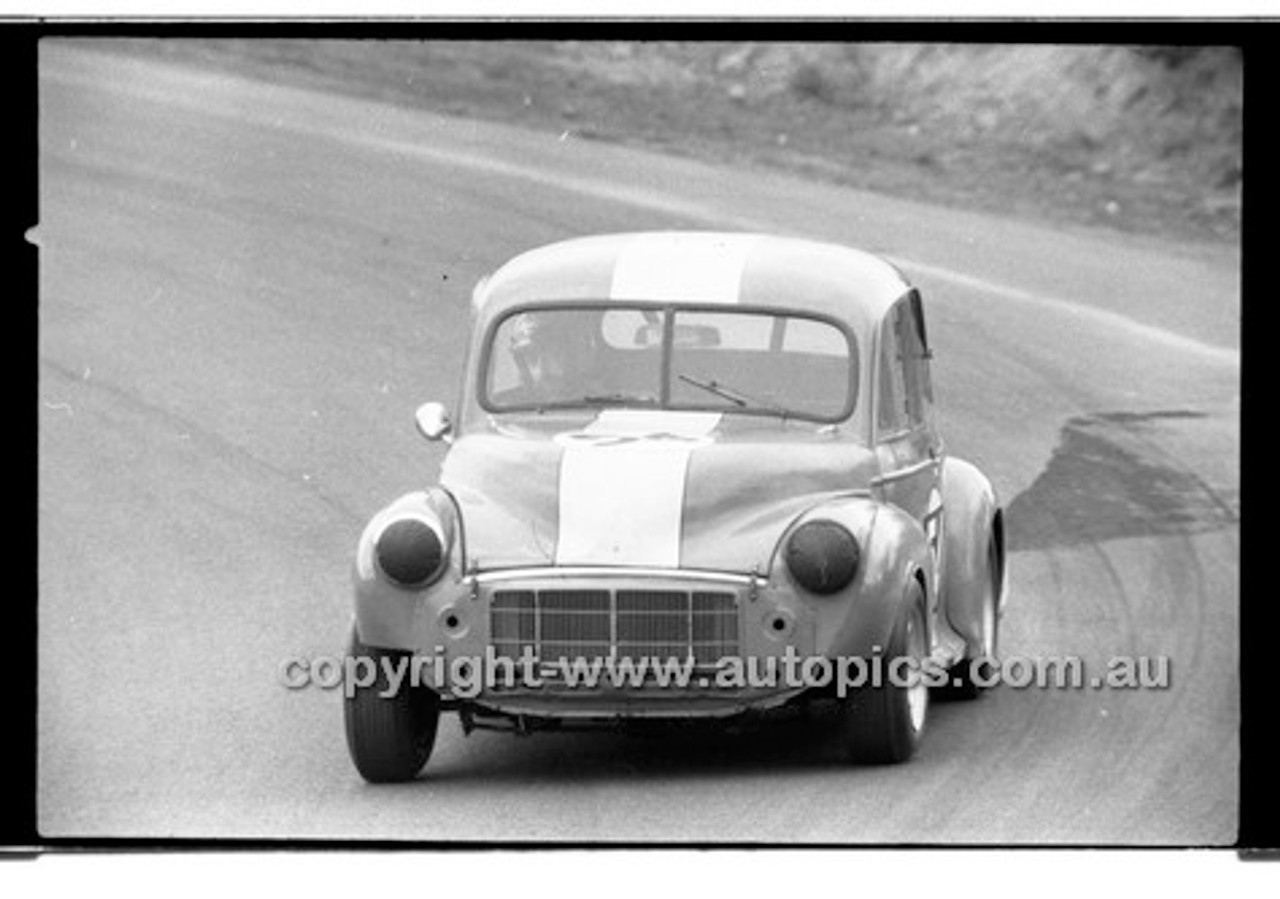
(389, 734)
(885, 722)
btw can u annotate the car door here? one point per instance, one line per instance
(907, 446)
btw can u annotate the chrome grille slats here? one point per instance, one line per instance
(573, 624)
(714, 631)
(558, 623)
(653, 624)
(513, 623)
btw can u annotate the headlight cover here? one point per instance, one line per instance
(823, 557)
(410, 552)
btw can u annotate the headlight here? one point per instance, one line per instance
(823, 557)
(410, 552)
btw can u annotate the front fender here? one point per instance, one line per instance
(972, 527)
(858, 620)
(391, 616)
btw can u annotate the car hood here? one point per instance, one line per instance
(690, 490)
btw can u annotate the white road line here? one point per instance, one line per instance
(640, 198)
(1114, 320)
(671, 206)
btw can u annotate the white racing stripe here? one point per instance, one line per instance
(678, 267)
(691, 427)
(622, 485)
(622, 478)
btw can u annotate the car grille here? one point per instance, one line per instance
(566, 624)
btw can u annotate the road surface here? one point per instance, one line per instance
(247, 289)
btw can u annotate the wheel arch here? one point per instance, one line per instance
(895, 555)
(386, 614)
(973, 525)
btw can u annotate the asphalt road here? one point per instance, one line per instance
(245, 292)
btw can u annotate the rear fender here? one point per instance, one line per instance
(973, 525)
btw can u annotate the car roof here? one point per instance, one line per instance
(700, 267)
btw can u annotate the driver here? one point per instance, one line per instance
(552, 351)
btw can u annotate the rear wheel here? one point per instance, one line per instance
(885, 723)
(390, 737)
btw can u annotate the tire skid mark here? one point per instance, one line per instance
(1118, 593)
(1107, 479)
(1177, 583)
(1187, 588)
(1170, 715)
(1157, 583)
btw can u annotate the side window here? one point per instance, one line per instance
(907, 360)
(905, 389)
(891, 415)
(915, 357)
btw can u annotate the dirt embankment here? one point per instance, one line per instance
(1142, 139)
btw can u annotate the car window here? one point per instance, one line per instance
(919, 346)
(631, 329)
(914, 359)
(756, 362)
(731, 332)
(807, 336)
(905, 387)
(574, 356)
(753, 362)
(891, 413)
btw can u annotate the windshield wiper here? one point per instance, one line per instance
(737, 397)
(725, 393)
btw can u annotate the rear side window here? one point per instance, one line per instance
(906, 390)
(915, 361)
(891, 411)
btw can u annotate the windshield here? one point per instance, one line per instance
(705, 359)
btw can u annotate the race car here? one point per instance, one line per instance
(689, 474)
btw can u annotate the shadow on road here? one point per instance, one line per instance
(770, 745)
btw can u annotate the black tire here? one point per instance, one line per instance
(884, 724)
(389, 737)
(961, 683)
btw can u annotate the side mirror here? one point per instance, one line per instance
(433, 422)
